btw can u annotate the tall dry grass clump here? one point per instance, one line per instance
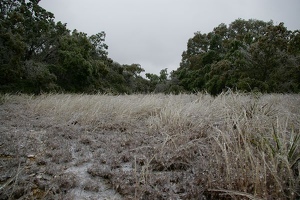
(256, 148)
(240, 146)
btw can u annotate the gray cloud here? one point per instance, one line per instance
(154, 33)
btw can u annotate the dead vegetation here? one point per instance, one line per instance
(233, 146)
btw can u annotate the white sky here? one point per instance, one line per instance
(154, 33)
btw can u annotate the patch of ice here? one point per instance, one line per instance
(103, 191)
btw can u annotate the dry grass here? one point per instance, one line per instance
(233, 146)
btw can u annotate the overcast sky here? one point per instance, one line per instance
(154, 33)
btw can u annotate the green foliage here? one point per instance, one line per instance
(24, 28)
(246, 55)
(99, 50)
(159, 84)
(37, 55)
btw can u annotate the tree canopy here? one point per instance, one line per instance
(247, 55)
(39, 55)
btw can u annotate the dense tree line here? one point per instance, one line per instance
(38, 55)
(246, 56)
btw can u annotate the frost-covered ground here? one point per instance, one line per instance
(150, 146)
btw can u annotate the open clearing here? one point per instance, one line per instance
(233, 146)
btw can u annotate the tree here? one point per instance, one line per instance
(133, 69)
(38, 55)
(159, 84)
(163, 75)
(245, 55)
(154, 80)
(24, 28)
(99, 47)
